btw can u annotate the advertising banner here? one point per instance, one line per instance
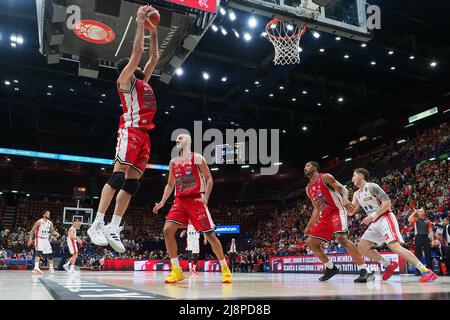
(311, 264)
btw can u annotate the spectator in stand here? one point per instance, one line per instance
(446, 235)
(423, 234)
(232, 252)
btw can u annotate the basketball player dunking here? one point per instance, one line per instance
(329, 219)
(72, 241)
(40, 233)
(383, 226)
(193, 246)
(133, 143)
(193, 183)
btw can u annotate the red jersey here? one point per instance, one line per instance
(322, 196)
(139, 106)
(189, 181)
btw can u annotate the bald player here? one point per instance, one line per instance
(190, 176)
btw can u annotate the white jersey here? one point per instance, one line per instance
(42, 234)
(71, 242)
(368, 201)
(43, 229)
(385, 228)
(193, 238)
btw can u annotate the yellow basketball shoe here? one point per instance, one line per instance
(226, 275)
(175, 275)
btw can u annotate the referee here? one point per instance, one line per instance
(423, 231)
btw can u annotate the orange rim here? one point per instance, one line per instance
(302, 30)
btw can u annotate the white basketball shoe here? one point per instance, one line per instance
(95, 232)
(112, 235)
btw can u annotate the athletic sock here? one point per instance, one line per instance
(50, 265)
(385, 262)
(115, 221)
(329, 265)
(421, 268)
(72, 267)
(193, 267)
(190, 266)
(223, 263)
(99, 217)
(363, 266)
(36, 265)
(175, 262)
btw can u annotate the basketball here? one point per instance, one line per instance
(152, 19)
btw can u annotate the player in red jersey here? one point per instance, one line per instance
(329, 219)
(190, 176)
(133, 142)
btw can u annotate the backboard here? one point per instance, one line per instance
(82, 214)
(345, 18)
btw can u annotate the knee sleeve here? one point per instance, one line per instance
(131, 186)
(117, 179)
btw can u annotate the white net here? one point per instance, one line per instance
(285, 38)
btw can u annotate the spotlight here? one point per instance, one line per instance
(246, 90)
(338, 38)
(363, 45)
(247, 36)
(341, 99)
(13, 38)
(322, 50)
(304, 92)
(205, 76)
(281, 88)
(346, 56)
(7, 82)
(289, 27)
(393, 68)
(252, 22)
(257, 82)
(16, 81)
(304, 128)
(294, 99)
(172, 107)
(271, 95)
(224, 79)
(232, 15)
(13, 44)
(412, 58)
(224, 32)
(223, 11)
(319, 104)
(214, 27)
(316, 35)
(433, 64)
(19, 39)
(236, 33)
(209, 119)
(264, 34)
(179, 71)
(373, 63)
(391, 53)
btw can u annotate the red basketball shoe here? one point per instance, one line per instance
(390, 270)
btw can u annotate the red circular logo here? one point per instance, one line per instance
(94, 32)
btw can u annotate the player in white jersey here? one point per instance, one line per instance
(383, 226)
(72, 241)
(193, 246)
(39, 236)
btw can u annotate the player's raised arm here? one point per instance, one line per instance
(337, 186)
(138, 50)
(154, 55)
(167, 190)
(204, 170)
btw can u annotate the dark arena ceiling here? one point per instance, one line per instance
(55, 110)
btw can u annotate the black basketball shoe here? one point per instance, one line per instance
(329, 273)
(365, 276)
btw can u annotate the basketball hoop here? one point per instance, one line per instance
(285, 38)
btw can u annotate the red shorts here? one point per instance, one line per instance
(133, 148)
(331, 221)
(187, 209)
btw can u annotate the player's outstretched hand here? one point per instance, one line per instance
(348, 205)
(157, 207)
(140, 17)
(30, 242)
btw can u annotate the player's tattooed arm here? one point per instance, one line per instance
(33, 230)
(382, 196)
(378, 192)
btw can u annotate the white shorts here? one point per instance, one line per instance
(384, 230)
(193, 246)
(43, 244)
(72, 244)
